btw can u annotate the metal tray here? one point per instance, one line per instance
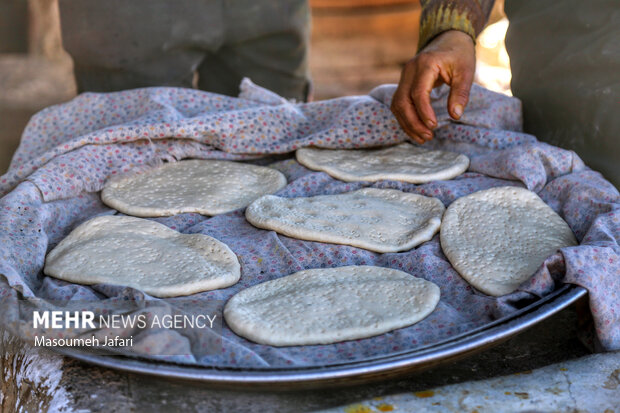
(378, 368)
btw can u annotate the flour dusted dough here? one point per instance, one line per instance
(381, 220)
(402, 162)
(497, 238)
(142, 254)
(323, 306)
(208, 187)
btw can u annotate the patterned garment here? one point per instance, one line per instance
(438, 16)
(68, 151)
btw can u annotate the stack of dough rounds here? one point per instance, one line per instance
(142, 254)
(403, 162)
(208, 187)
(497, 238)
(381, 220)
(323, 306)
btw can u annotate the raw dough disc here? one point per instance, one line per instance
(497, 238)
(323, 306)
(142, 254)
(381, 220)
(208, 187)
(402, 162)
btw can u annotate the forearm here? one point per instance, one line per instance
(438, 16)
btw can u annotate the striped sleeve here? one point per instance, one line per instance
(438, 16)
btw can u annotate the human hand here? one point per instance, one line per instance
(449, 58)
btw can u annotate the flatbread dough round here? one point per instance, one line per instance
(403, 162)
(323, 306)
(142, 254)
(208, 187)
(381, 220)
(497, 238)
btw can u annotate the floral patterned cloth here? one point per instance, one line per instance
(68, 151)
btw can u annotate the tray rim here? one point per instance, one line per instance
(358, 372)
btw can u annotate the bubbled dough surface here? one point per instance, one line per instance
(208, 187)
(497, 238)
(323, 306)
(142, 254)
(381, 220)
(402, 162)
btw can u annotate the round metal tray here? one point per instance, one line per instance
(364, 371)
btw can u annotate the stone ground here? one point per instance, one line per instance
(587, 384)
(544, 369)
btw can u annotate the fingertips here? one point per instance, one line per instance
(457, 101)
(457, 111)
(459, 94)
(417, 139)
(409, 121)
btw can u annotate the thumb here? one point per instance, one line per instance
(459, 92)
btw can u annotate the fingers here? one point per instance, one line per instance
(406, 110)
(409, 121)
(459, 92)
(423, 84)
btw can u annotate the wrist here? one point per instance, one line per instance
(453, 42)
